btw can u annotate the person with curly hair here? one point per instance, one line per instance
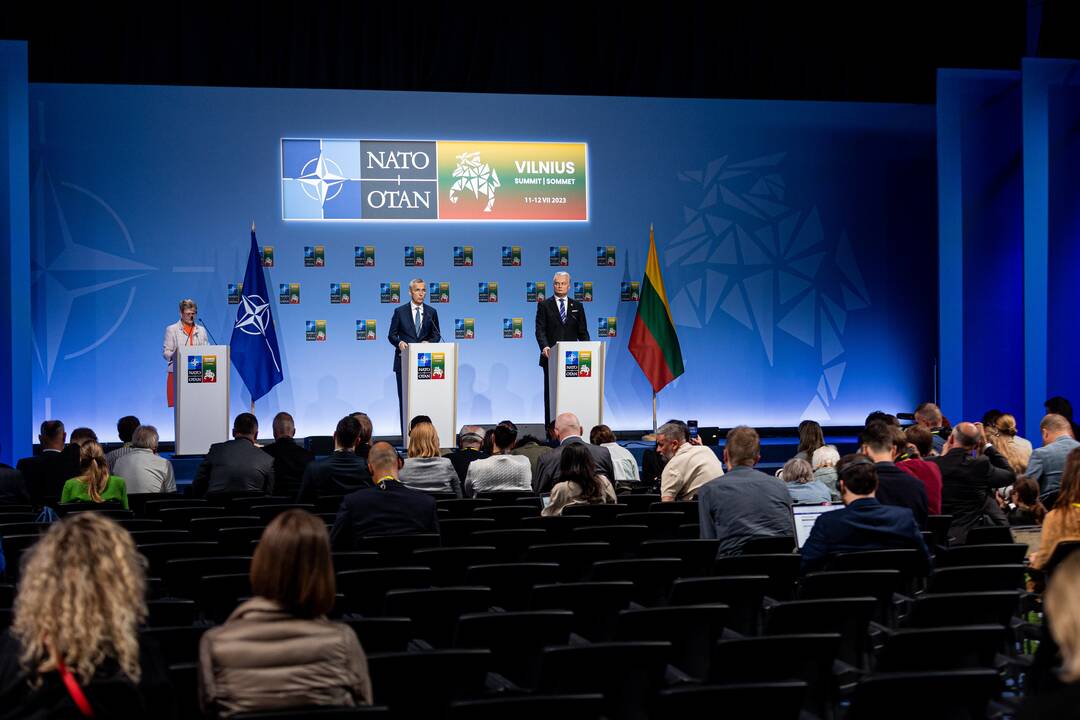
(73, 648)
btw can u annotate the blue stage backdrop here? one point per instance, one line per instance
(797, 242)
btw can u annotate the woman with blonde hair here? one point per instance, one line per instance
(95, 484)
(1002, 435)
(278, 649)
(425, 468)
(74, 649)
(1063, 621)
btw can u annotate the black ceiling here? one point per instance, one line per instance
(818, 50)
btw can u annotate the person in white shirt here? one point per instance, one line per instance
(182, 332)
(502, 471)
(626, 467)
(689, 464)
(143, 469)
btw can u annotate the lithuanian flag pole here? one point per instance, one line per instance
(653, 341)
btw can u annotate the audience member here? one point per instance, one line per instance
(45, 474)
(470, 439)
(578, 482)
(236, 465)
(1025, 507)
(1058, 405)
(125, 429)
(824, 464)
(689, 465)
(810, 439)
(1002, 435)
(801, 485)
(622, 460)
(94, 483)
(389, 508)
(278, 650)
(531, 448)
(425, 468)
(970, 471)
(290, 458)
(894, 486)
(881, 416)
(568, 431)
(363, 441)
(1046, 463)
(82, 435)
(1063, 521)
(12, 487)
(744, 503)
(1063, 619)
(864, 523)
(81, 601)
(909, 458)
(502, 471)
(342, 472)
(928, 415)
(487, 445)
(417, 419)
(143, 470)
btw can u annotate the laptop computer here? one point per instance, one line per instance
(1030, 535)
(804, 517)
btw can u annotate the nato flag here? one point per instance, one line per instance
(254, 345)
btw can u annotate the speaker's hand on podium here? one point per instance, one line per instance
(403, 346)
(546, 352)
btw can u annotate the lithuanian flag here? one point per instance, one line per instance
(653, 341)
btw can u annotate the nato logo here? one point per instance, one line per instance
(320, 180)
(195, 362)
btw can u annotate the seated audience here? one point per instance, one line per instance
(1063, 521)
(142, 468)
(45, 474)
(236, 465)
(425, 468)
(531, 448)
(1063, 621)
(1058, 405)
(290, 458)
(1025, 508)
(626, 469)
(578, 483)
(744, 503)
(502, 471)
(363, 441)
(389, 508)
(801, 484)
(82, 435)
(689, 464)
(94, 484)
(470, 439)
(12, 487)
(125, 429)
(342, 472)
(568, 432)
(81, 601)
(928, 415)
(824, 464)
(912, 445)
(971, 469)
(1002, 435)
(894, 486)
(278, 650)
(1046, 463)
(810, 439)
(864, 523)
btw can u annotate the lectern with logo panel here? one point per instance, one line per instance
(429, 387)
(576, 381)
(202, 398)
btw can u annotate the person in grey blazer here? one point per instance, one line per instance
(568, 429)
(1046, 463)
(425, 469)
(236, 465)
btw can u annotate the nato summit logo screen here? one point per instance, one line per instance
(442, 180)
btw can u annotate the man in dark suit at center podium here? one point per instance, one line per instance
(413, 322)
(559, 318)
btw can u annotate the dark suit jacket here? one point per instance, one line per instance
(461, 459)
(340, 474)
(393, 510)
(45, 474)
(403, 328)
(234, 466)
(865, 524)
(547, 467)
(290, 459)
(896, 487)
(550, 328)
(13, 486)
(966, 486)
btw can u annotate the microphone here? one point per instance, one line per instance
(208, 333)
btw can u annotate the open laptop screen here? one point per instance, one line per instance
(804, 517)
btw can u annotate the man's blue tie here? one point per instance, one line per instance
(562, 309)
(416, 322)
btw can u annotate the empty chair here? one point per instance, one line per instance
(943, 648)
(22, 528)
(949, 694)
(355, 560)
(743, 594)
(662, 525)
(987, 554)
(531, 707)
(506, 516)
(997, 534)
(448, 564)
(239, 540)
(385, 634)
(575, 559)
(595, 604)
(7, 596)
(599, 514)
(849, 617)
(178, 644)
(639, 502)
(689, 509)
(7, 518)
(461, 507)
(803, 657)
(512, 583)
(423, 684)
(652, 577)
(435, 611)
(510, 545)
(13, 508)
(137, 501)
(182, 575)
(206, 528)
(911, 564)
(627, 674)
(157, 554)
(185, 682)
(697, 556)
(243, 504)
(516, 639)
(879, 584)
(65, 509)
(773, 700)
(396, 550)
(114, 512)
(558, 527)
(170, 613)
(692, 630)
(781, 568)
(939, 526)
(507, 497)
(138, 524)
(268, 512)
(456, 531)
(946, 609)
(768, 545)
(179, 517)
(328, 504)
(365, 590)
(152, 507)
(219, 595)
(14, 547)
(977, 578)
(624, 539)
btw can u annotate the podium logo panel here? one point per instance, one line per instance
(578, 364)
(202, 369)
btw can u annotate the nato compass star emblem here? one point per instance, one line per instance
(321, 179)
(254, 318)
(194, 362)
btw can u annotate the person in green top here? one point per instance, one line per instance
(95, 484)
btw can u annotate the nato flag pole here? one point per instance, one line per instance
(254, 345)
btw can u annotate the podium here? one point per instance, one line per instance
(576, 381)
(202, 397)
(429, 387)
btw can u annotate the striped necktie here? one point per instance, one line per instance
(562, 309)
(417, 321)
